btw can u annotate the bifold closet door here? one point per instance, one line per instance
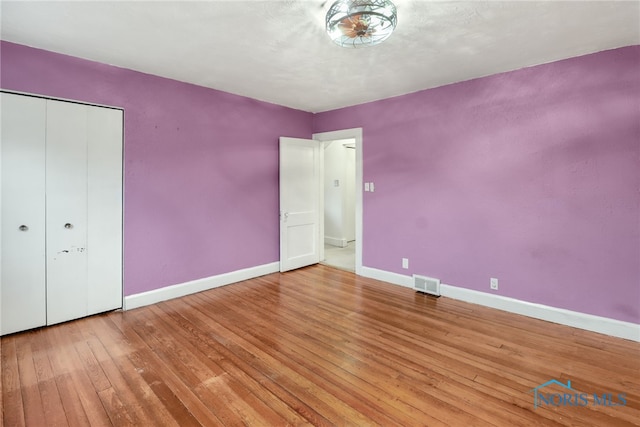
(104, 209)
(22, 283)
(61, 251)
(66, 198)
(83, 210)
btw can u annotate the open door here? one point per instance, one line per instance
(300, 195)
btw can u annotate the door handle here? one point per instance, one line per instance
(285, 215)
(23, 228)
(68, 226)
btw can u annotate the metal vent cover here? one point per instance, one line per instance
(425, 284)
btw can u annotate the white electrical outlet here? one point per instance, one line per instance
(494, 284)
(405, 262)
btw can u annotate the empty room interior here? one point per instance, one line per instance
(328, 213)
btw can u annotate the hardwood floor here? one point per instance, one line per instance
(317, 346)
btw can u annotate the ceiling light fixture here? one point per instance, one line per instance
(355, 23)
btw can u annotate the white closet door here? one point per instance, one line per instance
(104, 209)
(66, 202)
(23, 213)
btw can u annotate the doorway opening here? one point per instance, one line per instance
(341, 230)
(339, 203)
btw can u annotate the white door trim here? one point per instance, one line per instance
(354, 133)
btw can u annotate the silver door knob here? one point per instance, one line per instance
(68, 226)
(23, 228)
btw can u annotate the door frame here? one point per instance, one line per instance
(356, 134)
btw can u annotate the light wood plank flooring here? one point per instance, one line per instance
(317, 346)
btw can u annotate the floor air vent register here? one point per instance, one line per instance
(427, 285)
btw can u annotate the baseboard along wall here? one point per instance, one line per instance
(187, 288)
(589, 322)
(336, 241)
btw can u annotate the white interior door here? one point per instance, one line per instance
(66, 199)
(300, 195)
(84, 210)
(61, 211)
(23, 213)
(104, 209)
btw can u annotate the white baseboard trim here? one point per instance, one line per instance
(387, 276)
(335, 241)
(187, 288)
(589, 322)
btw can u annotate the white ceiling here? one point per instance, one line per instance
(278, 51)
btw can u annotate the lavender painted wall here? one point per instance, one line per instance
(201, 166)
(531, 176)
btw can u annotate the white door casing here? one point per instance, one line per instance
(23, 213)
(300, 202)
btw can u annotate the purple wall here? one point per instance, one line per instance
(531, 176)
(201, 166)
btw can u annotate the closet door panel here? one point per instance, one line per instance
(23, 304)
(66, 198)
(104, 209)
